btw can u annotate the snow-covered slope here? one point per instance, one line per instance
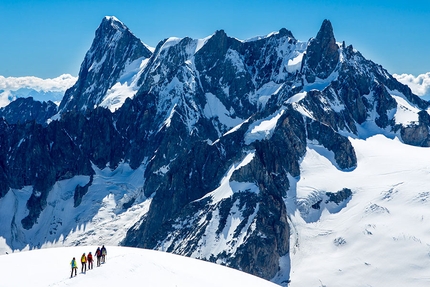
(102, 215)
(40, 89)
(380, 235)
(124, 267)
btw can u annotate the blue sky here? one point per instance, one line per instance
(48, 38)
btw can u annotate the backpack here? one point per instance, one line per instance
(90, 257)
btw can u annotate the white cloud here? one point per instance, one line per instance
(419, 85)
(10, 85)
(57, 84)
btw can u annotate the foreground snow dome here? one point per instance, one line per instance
(124, 267)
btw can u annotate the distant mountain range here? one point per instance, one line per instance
(42, 90)
(210, 148)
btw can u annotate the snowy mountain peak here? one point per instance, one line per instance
(284, 32)
(114, 54)
(112, 19)
(111, 23)
(110, 26)
(278, 34)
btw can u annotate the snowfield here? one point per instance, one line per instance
(380, 236)
(124, 267)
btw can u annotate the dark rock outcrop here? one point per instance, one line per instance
(344, 152)
(80, 191)
(340, 196)
(26, 109)
(417, 133)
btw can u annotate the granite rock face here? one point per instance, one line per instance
(322, 54)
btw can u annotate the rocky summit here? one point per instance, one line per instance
(214, 128)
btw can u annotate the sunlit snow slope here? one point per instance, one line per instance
(381, 236)
(124, 267)
(101, 217)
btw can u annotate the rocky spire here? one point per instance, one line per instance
(322, 54)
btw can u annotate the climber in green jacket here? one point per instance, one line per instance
(74, 267)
